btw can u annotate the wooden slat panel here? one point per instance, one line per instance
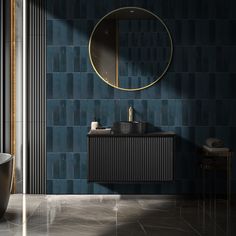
(37, 102)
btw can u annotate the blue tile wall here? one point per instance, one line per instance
(196, 98)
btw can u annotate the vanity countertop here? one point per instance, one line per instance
(153, 134)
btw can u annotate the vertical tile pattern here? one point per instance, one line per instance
(196, 98)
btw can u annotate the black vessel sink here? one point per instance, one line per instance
(129, 127)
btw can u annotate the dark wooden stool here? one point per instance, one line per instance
(217, 161)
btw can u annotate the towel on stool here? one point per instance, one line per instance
(209, 149)
(214, 143)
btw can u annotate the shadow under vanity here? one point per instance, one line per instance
(122, 158)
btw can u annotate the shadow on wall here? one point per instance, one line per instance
(78, 29)
(191, 85)
(194, 98)
(72, 18)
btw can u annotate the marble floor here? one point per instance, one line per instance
(98, 215)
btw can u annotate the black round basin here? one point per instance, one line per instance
(6, 167)
(129, 127)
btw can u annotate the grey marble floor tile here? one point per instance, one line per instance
(98, 215)
(7, 233)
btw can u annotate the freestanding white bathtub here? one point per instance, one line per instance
(6, 168)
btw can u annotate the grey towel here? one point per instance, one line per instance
(209, 149)
(214, 143)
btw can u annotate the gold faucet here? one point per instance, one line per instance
(131, 114)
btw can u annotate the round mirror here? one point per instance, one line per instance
(130, 48)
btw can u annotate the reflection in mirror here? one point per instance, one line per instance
(130, 48)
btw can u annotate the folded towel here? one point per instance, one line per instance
(209, 149)
(100, 131)
(214, 143)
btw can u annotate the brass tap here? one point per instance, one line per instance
(131, 114)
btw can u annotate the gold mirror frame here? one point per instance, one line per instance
(170, 57)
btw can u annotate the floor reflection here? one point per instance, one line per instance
(115, 216)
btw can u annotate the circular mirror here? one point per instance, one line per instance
(130, 48)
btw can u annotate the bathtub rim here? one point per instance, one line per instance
(8, 156)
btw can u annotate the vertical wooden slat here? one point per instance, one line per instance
(13, 87)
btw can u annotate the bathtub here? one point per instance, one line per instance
(6, 167)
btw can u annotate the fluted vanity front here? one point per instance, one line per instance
(131, 158)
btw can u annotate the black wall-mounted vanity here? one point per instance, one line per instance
(131, 158)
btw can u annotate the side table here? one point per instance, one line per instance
(217, 161)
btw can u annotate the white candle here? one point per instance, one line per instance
(94, 125)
